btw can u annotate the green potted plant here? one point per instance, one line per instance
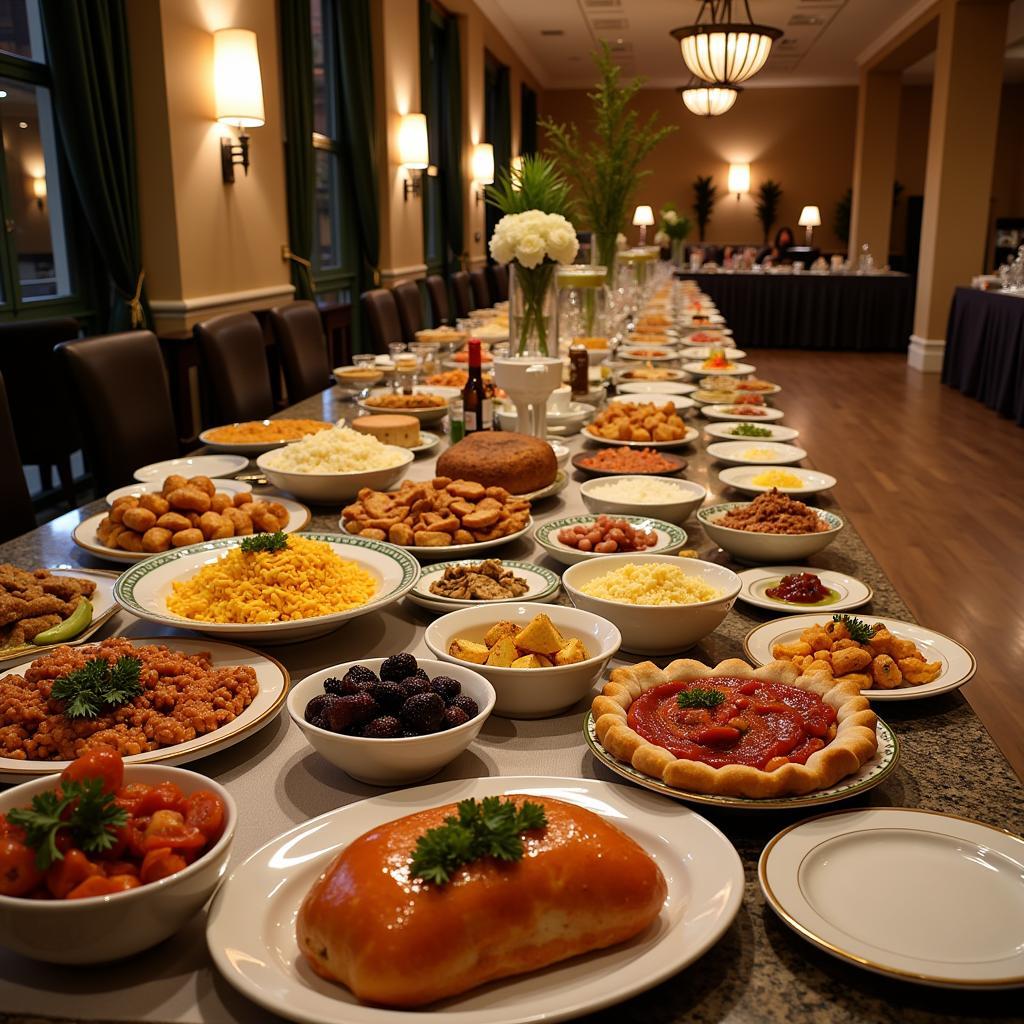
(704, 195)
(769, 195)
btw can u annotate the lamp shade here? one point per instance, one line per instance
(238, 87)
(643, 216)
(810, 217)
(707, 100)
(739, 178)
(413, 147)
(483, 163)
(39, 188)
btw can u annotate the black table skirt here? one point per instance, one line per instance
(812, 311)
(985, 350)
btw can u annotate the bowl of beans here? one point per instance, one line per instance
(576, 538)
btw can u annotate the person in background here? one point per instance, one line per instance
(775, 252)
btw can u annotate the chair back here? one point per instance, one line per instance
(381, 313)
(440, 308)
(300, 340)
(125, 400)
(463, 293)
(481, 289)
(410, 309)
(234, 357)
(18, 516)
(498, 273)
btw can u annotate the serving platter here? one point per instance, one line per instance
(698, 369)
(624, 372)
(543, 585)
(212, 466)
(918, 895)
(103, 607)
(687, 438)
(851, 592)
(249, 448)
(871, 774)
(678, 464)
(705, 352)
(732, 453)
(655, 387)
(251, 925)
(671, 538)
(556, 486)
(958, 664)
(271, 675)
(86, 537)
(720, 431)
(431, 414)
(741, 478)
(721, 412)
(228, 486)
(452, 550)
(642, 353)
(680, 402)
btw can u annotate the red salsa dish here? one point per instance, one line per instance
(802, 588)
(725, 720)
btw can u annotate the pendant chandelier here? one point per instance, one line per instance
(708, 99)
(722, 51)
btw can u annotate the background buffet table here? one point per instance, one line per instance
(759, 972)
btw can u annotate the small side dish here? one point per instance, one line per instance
(628, 460)
(486, 581)
(804, 588)
(606, 535)
(42, 608)
(749, 430)
(638, 421)
(649, 583)
(539, 644)
(773, 513)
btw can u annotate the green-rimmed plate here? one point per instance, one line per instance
(542, 585)
(671, 538)
(143, 589)
(870, 775)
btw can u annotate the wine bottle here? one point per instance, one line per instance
(476, 406)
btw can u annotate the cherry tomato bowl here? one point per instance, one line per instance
(97, 929)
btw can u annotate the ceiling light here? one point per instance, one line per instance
(708, 99)
(721, 50)
(3, 94)
(23, 124)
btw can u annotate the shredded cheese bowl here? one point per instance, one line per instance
(661, 604)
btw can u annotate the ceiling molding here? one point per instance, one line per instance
(919, 12)
(497, 17)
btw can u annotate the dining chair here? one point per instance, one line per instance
(299, 332)
(498, 273)
(381, 313)
(234, 356)
(481, 289)
(125, 401)
(410, 309)
(18, 517)
(463, 293)
(26, 359)
(437, 293)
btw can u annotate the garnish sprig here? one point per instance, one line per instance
(700, 697)
(265, 542)
(490, 828)
(98, 686)
(858, 629)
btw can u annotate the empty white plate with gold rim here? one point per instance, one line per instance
(917, 895)
(193, 465)
(251, 925)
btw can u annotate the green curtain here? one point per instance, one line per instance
(297, 65)
(497, 127)
(528, 120)
(87, 43)
(431, 41)
(451, 146)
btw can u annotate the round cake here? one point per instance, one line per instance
(403, 431)
(494, 458)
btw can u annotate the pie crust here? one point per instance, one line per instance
(854, 744)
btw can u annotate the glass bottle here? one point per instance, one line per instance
(476, 406)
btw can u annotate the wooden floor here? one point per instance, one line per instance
(934, 483)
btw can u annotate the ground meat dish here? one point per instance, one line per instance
(773, 513)
(183, 696)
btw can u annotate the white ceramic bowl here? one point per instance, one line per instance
(352, 386)
(759, 548)
(101, 928)
(531, 692)
(333, 488)
(671, 538)
(393, 762)
(691, 495)
(657, 629)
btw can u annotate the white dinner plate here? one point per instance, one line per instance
(156, 487)
(431, 414)
(86, 537)
(958, 664)
(636, 353)
(450, 551)
(681, 402)
(251, 929)
(736, 370)
(655, 387)
(918, 895)
(428, 442)
(543, 585)
(690, 436)
(556, 486)
(193, 465)
(248, 448)
(271, 675)
(143, 589)
(671, 538)
(690, 331)
(732, 453)
(722, 431)
(705, 351)
(103, 606)
(848, 591)
(867, 777)
(741, 478)
(722, 412)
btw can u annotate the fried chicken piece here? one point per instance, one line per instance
(45, 604)
(11, 608)
(67, 587)
(26, 629)
(915, 671)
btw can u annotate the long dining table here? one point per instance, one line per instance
(760, 972)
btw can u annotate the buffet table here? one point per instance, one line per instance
(759, 972)
(985, 350)
(814, 311)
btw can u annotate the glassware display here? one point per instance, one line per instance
(581, 306)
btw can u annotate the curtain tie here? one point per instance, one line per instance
(135, 303)
(306, 265)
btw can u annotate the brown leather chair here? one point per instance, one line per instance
(300, 340)
(18, 517)
(498, 274)
(235, 359)
(27, 359)
(481, 289)
(410, 309)
(463, 293)
(437, 292)
(381, 312)
(127, 418)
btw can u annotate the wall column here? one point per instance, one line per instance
(874, 161)
(961, 158)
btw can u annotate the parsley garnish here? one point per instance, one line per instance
(859, 630)
(98, 686)
(700, 697)
(83, 807)
(265, 542)
(487, 829)
(750, 430)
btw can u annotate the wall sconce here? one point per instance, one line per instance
(39, 191)
(810, 218)
(643, 217)
(739, 179)
(413, 152)
(483, 167)
(238, 89)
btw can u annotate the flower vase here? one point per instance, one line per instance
(531, 309)
(678, 249)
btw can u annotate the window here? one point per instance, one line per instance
(497, 125)
(35, 260)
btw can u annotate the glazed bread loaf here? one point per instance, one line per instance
(583, 885)
(493, 458)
